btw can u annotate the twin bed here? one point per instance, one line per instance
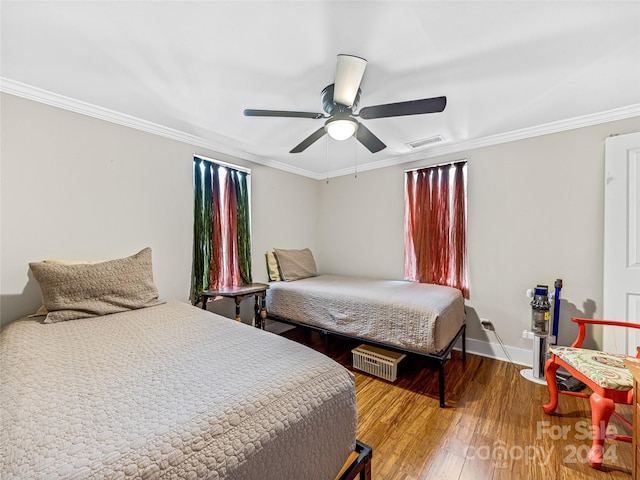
(417, 318)
(121, 386)
(169, 391)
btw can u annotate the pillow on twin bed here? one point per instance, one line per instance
(42, 311)
(296, 264)
(72, 291)
(272, 268)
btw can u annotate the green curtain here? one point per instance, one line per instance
(244, 226)
(204, 178)
(202, 228)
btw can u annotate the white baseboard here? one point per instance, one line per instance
(519, 356)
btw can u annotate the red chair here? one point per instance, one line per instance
(604, 373)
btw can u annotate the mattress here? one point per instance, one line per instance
(169, 391)
(418, 317)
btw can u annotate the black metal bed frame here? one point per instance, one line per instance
(361, 466)
(439, 358)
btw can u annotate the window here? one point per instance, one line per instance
(221, 227)
(435, 225)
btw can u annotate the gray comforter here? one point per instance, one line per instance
(420, 317)
(169, 391)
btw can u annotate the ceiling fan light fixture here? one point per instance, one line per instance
(341, 128)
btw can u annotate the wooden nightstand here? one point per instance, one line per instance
(257, 290)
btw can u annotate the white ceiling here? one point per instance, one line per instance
(189, 69)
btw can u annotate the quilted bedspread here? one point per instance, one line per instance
(419, 317)
(165, 392)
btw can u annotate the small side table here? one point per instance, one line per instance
(238, 293)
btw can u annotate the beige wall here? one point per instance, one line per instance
(535, 213)
(74, 187)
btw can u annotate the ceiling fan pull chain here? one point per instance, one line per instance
(355, 154)
(327, 159)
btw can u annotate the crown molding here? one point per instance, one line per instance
(622, 113)
(43, 96)
(536, 131)
(66, 103)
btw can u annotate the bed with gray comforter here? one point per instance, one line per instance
(419, 318)
(169, 391)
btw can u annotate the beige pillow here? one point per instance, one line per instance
(42, 311)
(74, 262)
(272, 267)
(296, 264)
(72, 291)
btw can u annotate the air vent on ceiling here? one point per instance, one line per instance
(426, 141)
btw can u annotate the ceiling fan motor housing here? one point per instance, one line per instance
(332, 108)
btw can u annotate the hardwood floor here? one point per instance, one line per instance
(492, 428)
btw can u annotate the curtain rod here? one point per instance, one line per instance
(224, 164)
(444, 164)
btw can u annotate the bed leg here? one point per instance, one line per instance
(464, 344)
(441, 383)
(363, 463)
(366, 472)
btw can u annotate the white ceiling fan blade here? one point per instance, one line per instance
(349, 72)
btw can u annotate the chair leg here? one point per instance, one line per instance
(550, 370)
(601, 410)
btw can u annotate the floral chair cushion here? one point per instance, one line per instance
(607, 370)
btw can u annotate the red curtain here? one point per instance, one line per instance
(435, 226)
(224, 270)
(217, 263)
(458, 238)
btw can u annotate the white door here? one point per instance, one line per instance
(621, 296)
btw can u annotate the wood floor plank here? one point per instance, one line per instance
(493, 427)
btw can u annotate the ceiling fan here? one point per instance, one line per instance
(340, 99)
